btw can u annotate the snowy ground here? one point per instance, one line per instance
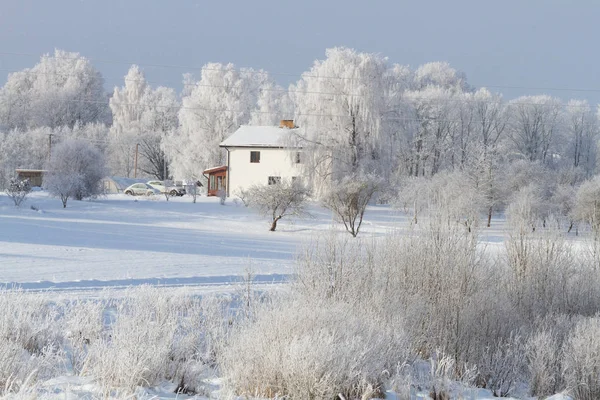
(120, 241)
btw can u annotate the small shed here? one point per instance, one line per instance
(35, 176)
(118, 184)
(217, 180)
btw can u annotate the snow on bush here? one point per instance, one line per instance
(18, 190)
(305, 349)
(74, 171)
(30, 334)
(278, 200)
(348, 199)
(143, 337)
(582, 360)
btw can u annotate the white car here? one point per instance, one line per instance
(141, 189)
(172, 188)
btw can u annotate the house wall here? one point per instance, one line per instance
(273, 162)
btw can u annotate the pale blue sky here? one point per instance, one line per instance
(532, 44)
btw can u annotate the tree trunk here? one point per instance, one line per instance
(274, 224)
(489, 222)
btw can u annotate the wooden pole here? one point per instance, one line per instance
(136, 155)
(49, 146)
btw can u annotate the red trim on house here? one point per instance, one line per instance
(217, 180)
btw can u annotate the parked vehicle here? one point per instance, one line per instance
(172, 188)
(141, 189)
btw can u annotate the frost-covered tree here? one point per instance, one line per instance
(587, 204)
(339, 103)
(74, 171)
(221, 101)
(278, 200)
(534, 123)
(142, 119)
(18, 190)
(582, 131)
(273, 105)
(63, 89)
(349, 197)
(432, 111)
(440, 74)
(22, 149)
(484, 160)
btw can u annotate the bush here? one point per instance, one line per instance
(582, 360)
(278, 200)
(144, 337)
(302, 349)
(348, 199)
(74, 170)
(543, 359)
(18, 190)
(30, 346)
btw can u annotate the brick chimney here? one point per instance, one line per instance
(287, 123)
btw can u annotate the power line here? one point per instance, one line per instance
(405, 119)
(196, 84)
(263, 72)
(168, 66)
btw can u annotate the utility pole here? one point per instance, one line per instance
(136, 155)
(49, 146)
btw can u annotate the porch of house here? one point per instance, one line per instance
(217, 180)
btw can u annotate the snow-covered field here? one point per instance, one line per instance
(118, 240)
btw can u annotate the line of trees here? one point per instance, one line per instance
(358, 114)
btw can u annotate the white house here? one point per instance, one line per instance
(261, 155)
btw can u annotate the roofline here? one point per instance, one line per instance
(215, 169)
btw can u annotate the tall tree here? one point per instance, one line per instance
(142, 118)
(582, 131)
(339, 103)
(221, 101)
(62, 89)
(433, 111)
(534, 121)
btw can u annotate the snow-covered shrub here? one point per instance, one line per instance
(541, 267)
(74, 170)
(243, 195)
(503, 366)
(143, 345)
(543, 361)
(29, 320)
(587, 204)
(581, 360)
(18, 190)
(454, 194)
(278, 200)
(20, 370)
(84, 326)
(348, 199)
(308, 349)
(31, 341)
(222, 195)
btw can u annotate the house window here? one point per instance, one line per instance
(298, 158)
(274, 180)
(255, 156)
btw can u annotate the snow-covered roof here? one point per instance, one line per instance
(260, 136)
